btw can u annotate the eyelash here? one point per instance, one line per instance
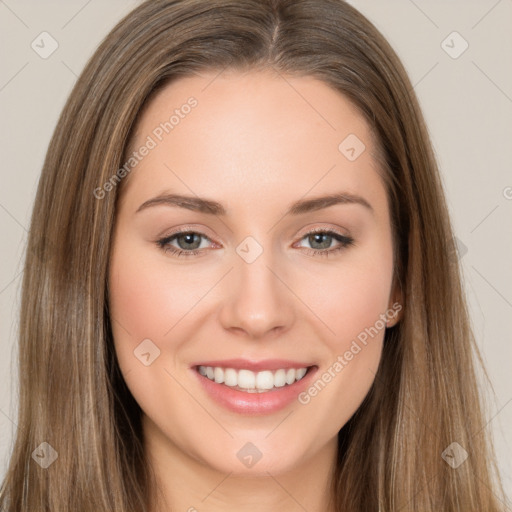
(345, 241)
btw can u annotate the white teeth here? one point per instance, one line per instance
(218, 374)
(290, 376)
(264, 380)
(280, 378)
(252, 382)
(300, 373)
(246, 379)
(230, 377)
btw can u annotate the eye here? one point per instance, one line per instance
(188, 243)
(321, 241)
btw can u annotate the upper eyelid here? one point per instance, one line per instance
(322, 230)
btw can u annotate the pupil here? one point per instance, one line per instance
(189, 239)
(317, 238)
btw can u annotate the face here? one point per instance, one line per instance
(226, 261)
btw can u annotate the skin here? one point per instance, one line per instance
(256, 142)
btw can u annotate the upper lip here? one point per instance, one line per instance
(255, 366)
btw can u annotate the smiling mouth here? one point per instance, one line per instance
(253, 382)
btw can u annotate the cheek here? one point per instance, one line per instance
(351, 306)
(146, 298)
(352, 302)
(350, 299)
(149, 291)
(363, 299)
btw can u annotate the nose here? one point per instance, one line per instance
(258, 302)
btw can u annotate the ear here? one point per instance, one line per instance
(395, 306)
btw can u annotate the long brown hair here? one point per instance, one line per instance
(72, 395)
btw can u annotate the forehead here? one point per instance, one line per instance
(257, 131)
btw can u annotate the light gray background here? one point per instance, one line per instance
(467, 103)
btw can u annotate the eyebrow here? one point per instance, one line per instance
(211, 207)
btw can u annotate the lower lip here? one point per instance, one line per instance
(255, 403)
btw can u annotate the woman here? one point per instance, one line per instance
(199, 351)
